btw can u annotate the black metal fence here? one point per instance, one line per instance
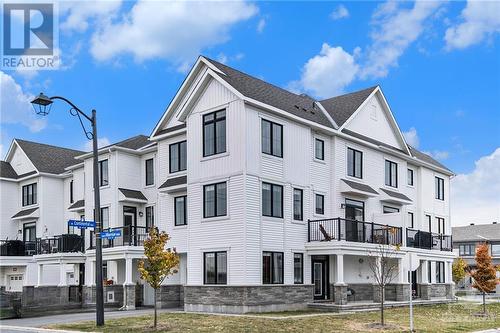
(428, 240)
(55, 244)
(130, 236)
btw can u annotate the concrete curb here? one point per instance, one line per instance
(35, 329)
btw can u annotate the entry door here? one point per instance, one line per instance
(354, 211)
(414, 289)
(320, 277)
(129, 224)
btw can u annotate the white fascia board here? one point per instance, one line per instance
(74, 166)
(168, 135)
(358, 109)
(327, 114)
(19, 146)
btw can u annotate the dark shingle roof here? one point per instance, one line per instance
(342, 107)
(133, 194)
(472, 232)
(251, 87)
(77, 204)
(426, 158)
(174, 182)
(6, 170)
(171, 129)
(25, 212)
(134, 142)
(359, 186)
(396, 194)
(47, 158)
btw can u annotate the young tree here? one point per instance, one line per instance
(484, 275)
(459, 270)
(159, 262)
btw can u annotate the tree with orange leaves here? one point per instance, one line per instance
(484, 275)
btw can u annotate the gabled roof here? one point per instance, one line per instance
(396, 195)
(135, 142)
(342, 107)
(77, 204)
(7, 171)
(133, 194)
(48, 158)
(25, 212)
(472, 232)
(426, 158)
(359, 186)
(174, 182)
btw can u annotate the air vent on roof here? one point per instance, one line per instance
(296, 106)
(495, 222)
(472, 224)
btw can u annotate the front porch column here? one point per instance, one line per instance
(76, 272)
(450, 285)
(340, 288)
(128, 286)
(62, 274)
(425, 286)
(39, 275)
(340, 269)
(128, 271)
(401, 271)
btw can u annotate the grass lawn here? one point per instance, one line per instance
(437, 318)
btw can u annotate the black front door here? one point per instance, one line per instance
(129, 224)
(414, 288)
(320, 277)
(354, 211)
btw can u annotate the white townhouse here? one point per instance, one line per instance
(274, 201)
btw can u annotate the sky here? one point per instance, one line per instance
(438, 64)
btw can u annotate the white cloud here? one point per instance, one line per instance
(222, 58)
(78, 14)
(261, 25)
(395, 28)
(339, 13)
(174, 30)
(480, 19)
(411, 137)
(475, 196)
(438, 154)
(326, 74)
(15, 107)
(101, 142)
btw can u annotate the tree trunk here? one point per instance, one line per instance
(382, 296)
(484, 302)
(155, 317)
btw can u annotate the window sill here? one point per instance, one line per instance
(215, 219)
(35, 205)
(319, 161)
(410, 186)
(180, 227)
(298, 222)
(355, 179)
(273, 219)
(272, 157)
(211, 157)
(149, 186)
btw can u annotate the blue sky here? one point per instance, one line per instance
(438, 64)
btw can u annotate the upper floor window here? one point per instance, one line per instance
(298, 204)
(439, 188)
(150, 217)
(71, 198)
(440, 223)
(411, 220)
(354, 163)
(320, 204)
(103, 173)
(214, 133)
(429, 222)
(319, 149)
(391, 173)
(215, 268)
(298, 268)
(467, 249)
(389, 209)
(214, 200)
(29, 232)
(272, 267)
(180, 210)
(105, 217)
(150, 174)
(29, 194)
(410, 177)
(272, 200)
(177, 156)
(495, 249)
(272, 138)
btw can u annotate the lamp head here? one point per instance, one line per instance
(42, 104)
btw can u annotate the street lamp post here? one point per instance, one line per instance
(42, 105)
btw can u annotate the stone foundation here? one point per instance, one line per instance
(170, 296)
(425, 291)
(340, 292)
(43, 298)
(438, 290)
(362, 292)
(242, 299)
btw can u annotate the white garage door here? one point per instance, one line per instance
(15, 282)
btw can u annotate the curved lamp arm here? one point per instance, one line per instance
(75, 111)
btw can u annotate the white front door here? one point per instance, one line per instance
(15, 282)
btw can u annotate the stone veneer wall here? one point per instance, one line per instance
(89, 295)
(362, 292)
(438, 290)
(242, 299)
(170, 296)
(45, 298)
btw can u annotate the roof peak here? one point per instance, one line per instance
(46, 144)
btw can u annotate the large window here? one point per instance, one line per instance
(298, 268)
(319, 149)
(439, 188)
(354, 163)
(440, 223)
(439, 271)
(495, 249)
(272, 267)
(150, 217)
(214, 200)
(105, 217)
(29, 232)
(467, 249)
(150, 174)
(177, 156)
(71, 198)
(103, 173)
(298, 204)
(215, 268)
(391, 173)
(214, 133)
(410, 177)
(272, 138)
(272, 200)
(411, 220)
(429, 222)
(320, 204)
(180, 210)
(29, 194)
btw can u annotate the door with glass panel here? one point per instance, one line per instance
(320, 277)
(354, 211)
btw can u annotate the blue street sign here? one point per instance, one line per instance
(111, 234)
(81, 224)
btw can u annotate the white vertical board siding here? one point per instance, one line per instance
(9, 203)
(20, 162)
(50, 196)
(178, 234)
(128, 171)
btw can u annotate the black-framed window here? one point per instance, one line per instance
(440, 272)
(272, 200)
(103, 173)
(320, 204)
(429, 271)
(411, 220)
(410, 177)
(272, 138)
(354, 210)
(389, 209)
(29, 232)
(215, 267)
(215, 200)
(105, 217)
(354, 163)
(298, 204)
(440, 223)
(150, 217)
(298, 268)
(177, 156)
(272, 267)
(150, 173)
(391, 173)
(180, 210)
(319, 149)
(71, 197)
(214, 133)
(429, 222)
(468, 249)
(439, 188)
(29, 194)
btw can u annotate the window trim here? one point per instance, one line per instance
(185, 210)
(316, 195)
(439, 188)
(214, 122)
(215, 264)
(441, 224)
(354, 163)
(272, 266)
(101, 180)
(390, 164)
(34, 194)
(71, 196)
(215, 200)
(271, 125)
(146, 172)
(31, 226)
(322, 158)
(396, 210)
(429, 221)
(152, 209)
(301, 204)
(440, 274)
(412, 172)
(178, 144)
(412, 220)
(301, 267)
(272, 201)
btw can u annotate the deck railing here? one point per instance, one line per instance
(428, 240)
(130, 236)
(56, 244)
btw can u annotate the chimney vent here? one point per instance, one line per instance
(495, 222)
(472, 224)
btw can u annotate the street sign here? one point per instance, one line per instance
(112, 234)
(81, 224)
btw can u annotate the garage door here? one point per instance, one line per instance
(15, 282)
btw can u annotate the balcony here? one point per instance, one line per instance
(427, 240)
(57, 244)
(130, 236)
(353, 231)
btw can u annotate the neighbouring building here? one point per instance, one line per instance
(273, 200)
(465, 241)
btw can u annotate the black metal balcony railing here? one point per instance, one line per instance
(57, 244)
(353, 231)
(130, 236)
(427, 240)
